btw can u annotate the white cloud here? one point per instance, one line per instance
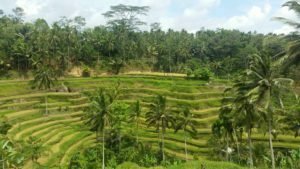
(193, 17)
(176, 14)
(200, 8)
(251, 19)
(284, 12)
(286, 29)
(31, 7)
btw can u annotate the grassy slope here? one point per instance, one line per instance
(189, 165)
(62, 132)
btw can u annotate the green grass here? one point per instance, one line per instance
(188, 165)
(63, 131)
(207, 164)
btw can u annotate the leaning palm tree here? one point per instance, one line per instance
(188, 125)
(245, 115)
(228, 121)
(161, 118)
(223, 128)
(99, 116)
(292, 56)
(35, 149)
(135, 117)
(44, 78)
(265, 89)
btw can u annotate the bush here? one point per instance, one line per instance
(199, 74)
(189, 72)
(86, 72)
(202, 74)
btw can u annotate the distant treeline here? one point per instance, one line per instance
(120, 44)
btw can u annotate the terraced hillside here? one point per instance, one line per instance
(63, 132)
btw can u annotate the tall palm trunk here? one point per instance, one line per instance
(271, 144)
(163, 140)
(103, 149)
(270, 113)
(250, 148)
(137, 131)
(163, 146)
(227, 147)
(120, 140)
(3, 162)
(46, 104)
(185, 146)
(237, 147)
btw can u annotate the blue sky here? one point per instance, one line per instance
(192, 15)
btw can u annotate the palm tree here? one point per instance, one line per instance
(44, 78)
(188, 125)
(34, 148)
(100, 115)
(263, 88)
(10, 154)
(161, 118)
(244, 114)
(223, 128)
(228, 121)
(292, 56)
(135, 116)
(4, 125)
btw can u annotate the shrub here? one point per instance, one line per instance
(202, 74)
(189, 72)
(86, 72)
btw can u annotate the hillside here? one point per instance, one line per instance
(63, 132)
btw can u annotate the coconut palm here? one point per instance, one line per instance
(34, 149)
(223, 128)
(44, 78)
(292, 56)
(10, 154)
(263, 89)
(135, 117)
(5, 125)
(100, 115)
(188, 125)
(228, 121)
(160, 118)
(245, 115)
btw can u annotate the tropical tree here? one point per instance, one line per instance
(188, 125)
(292, 55)
(135, 117)
(126, 15)
(10, 153)
(160, 118)
(99, 115)
(245, 115)
(34, 149)
(44, 78)
(223, 129)
(4, 125)
(264, 90)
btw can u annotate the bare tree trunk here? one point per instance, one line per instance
(185, 146)
(120, 139)
(103, 149)
(227, 146)
(271, 145)
(46, 104)
(250, 148)
(3, 162)
(137, 132)
(238, 147)
(163, 146)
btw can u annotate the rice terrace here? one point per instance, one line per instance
(141, 91)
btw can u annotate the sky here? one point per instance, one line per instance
(191, 15)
